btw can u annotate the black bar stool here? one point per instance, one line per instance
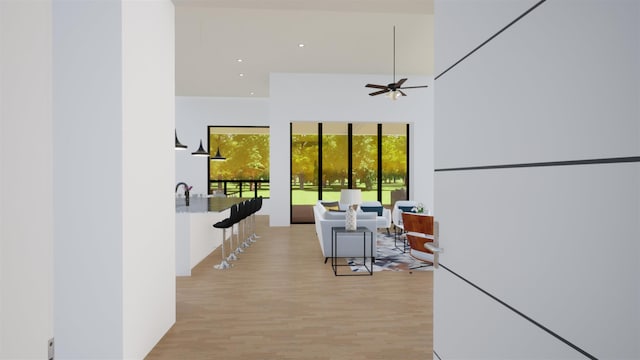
(257, 207)
(224, 225)
(244, 214)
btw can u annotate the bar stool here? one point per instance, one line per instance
(257, 207)
(244, 214)
(224, 225)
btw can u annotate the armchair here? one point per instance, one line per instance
(398, 210)
(399, 207)
(422, 235)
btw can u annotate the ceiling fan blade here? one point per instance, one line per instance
(402, 93)
(376, 86)
(379, 92)
(414, 87)
(400, 82)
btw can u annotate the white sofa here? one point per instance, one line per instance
(384, 219)
(349, 245)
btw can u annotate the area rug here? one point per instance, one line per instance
(390, 258)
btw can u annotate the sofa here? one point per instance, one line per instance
(383, 218)
(349, 245)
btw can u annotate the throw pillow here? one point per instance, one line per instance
(331, 206)
(407, 208)
(376, 209)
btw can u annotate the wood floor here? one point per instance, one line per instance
(281, 301)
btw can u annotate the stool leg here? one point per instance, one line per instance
(232, 256)
(239, 248)
(246, 242)
(253, 235)
(224, 264)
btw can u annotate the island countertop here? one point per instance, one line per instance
(206, 204)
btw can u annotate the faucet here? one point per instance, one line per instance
(186, 190)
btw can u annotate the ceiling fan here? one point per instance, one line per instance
(395, 88)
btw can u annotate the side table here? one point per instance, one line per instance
(335, 231)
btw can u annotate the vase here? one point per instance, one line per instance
(350, 221)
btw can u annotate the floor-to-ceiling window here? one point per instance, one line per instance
(394, 159)
(328, 157)
(242, 167)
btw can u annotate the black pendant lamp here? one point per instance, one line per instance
(179, 146)
(200, 151)
(217, 156)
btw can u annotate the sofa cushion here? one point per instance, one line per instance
(407, 208)
(375, 209)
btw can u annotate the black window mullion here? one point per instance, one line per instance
(350, 155)
(380, 163)
(408, 165)
(320, 171)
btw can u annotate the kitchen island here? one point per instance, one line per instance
(196, 237)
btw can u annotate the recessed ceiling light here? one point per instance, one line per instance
(239, 60)
(251, 93)
(301, 45)
(241, 74)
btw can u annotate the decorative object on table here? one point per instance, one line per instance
(351, 218)
(419, 208)
(351, 198)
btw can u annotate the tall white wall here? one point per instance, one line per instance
(307, 97)
(114, 213)
(148, 207)
(26, 173)
(558, 243)
(88, 199)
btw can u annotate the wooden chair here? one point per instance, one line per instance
(422, 237)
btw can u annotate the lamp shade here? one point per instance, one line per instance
(217, 156)
(179, 146)
(350, 196)
(200, 151)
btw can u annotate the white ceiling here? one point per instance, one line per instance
(348, 36)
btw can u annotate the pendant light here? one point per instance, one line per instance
(217, 156)
(179, 146)
(200, 151)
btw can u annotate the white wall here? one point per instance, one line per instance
(307, 97)
(87, 86)
(343, 97)
(114, 211)
(26, 201)
(148, 207)
(558, 243)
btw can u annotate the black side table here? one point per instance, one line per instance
(335, 231)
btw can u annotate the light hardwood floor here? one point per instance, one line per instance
(281, 301)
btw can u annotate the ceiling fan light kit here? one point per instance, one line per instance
(395, 88)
